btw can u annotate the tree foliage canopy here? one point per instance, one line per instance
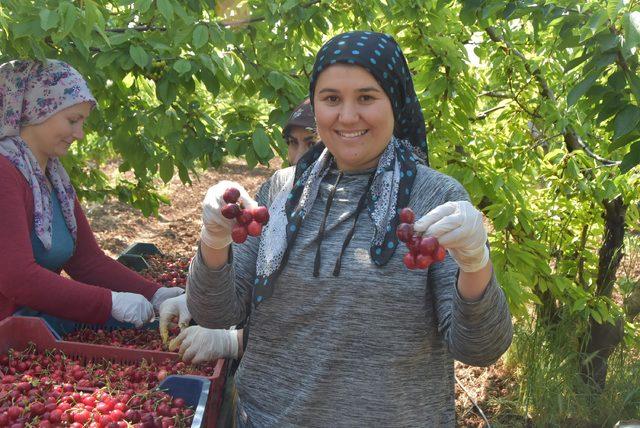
(533, 105)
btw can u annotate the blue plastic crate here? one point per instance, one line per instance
(194, 390)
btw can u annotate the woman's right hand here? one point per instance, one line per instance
(216, 229)
(131, 307)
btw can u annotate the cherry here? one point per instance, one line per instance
(231, 195)
(230, 211)
(245, 217)
(404, 232)
(407, 215)
(254, 228)
(409, 261)
(439, 254)
(428, 245)
(238, 233)
(423, 261)
(260, 214)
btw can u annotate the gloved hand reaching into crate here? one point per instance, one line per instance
(198, 344)
(174, 307)
(164, 294)
(131, 307)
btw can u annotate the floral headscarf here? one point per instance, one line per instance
(30, 93)
(390, 185)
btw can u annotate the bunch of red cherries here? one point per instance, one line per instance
(249, 221)
(423, 250)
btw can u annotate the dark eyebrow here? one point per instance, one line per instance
(366, 89)
(369, 89)
(310, 138)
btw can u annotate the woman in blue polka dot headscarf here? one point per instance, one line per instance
(342, 333)
(379, 56)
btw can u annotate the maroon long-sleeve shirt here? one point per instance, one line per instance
(85, 298)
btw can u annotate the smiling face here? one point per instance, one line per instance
(54, 136)
(354, 117)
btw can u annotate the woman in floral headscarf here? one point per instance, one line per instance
(43, 107)
(342, 333)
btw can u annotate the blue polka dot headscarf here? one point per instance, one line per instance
(381, 56)
(389, 188)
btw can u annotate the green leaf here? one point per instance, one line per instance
(69, 16)
(200, 36)
(182, 66)
(613, 7)
(581, 88)
(48, 19)
(251, 158)
(634, 84)
(276, 80)
(631, 28)
(598, 18)
(166, 169)
(166, 9)
(261, 143)
(626, 121)
(631, 159)
(93, 16)
(166, 91)
(106, 58)
(139, 55)
(143, 5)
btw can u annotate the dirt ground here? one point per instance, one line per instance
(175, 231)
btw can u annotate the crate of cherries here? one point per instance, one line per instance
(423, 250)
(167, 270)
(249, 221)
(49, 389)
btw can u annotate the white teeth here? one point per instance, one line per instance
(351, 134)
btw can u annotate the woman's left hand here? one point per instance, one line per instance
(163, 294)
(458, 227)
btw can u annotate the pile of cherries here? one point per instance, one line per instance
(166, 270)
(423, 250)
(249, 221)
(50, 389)
(131, 338)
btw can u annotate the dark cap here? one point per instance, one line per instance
(302, 116)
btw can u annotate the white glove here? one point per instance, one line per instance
(163, 294)
(458, 227)
(176, 306)
(131, 307)
(198, 344)
(216, 229)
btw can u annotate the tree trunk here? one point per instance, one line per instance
(602, 339)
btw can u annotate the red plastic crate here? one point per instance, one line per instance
(19, 332)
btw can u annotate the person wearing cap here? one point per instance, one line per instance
(300, 132)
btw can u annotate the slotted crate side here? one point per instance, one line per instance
(32, 329)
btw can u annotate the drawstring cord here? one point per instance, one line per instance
(332, 193)
(361, 205)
